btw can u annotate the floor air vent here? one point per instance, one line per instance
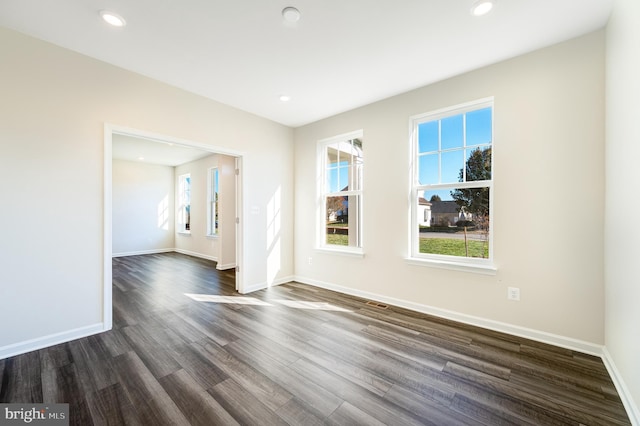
(377, 305)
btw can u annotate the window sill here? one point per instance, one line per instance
(213, 236)
(341, 251)
(454, 266)
(184, 233)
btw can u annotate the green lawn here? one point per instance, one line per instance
(447, 246)
(453, 247)
(338, 239)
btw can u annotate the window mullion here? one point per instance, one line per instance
(439, 151)
(464, 146)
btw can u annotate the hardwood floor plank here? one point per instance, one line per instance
(111, 406)
(55, 357)
(152, 404)
(431, 412)
(270, 393)
(365, 400)
(489, 417)
(296, 412)
(317, 400)
(347, 414)
(115, 342)
(150, 351)
(547, 403)
(243, 405)
(61, 385)
(205, 372)
(265, 345)
(21, 379)
(198, 406)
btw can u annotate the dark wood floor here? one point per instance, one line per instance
(298, 355)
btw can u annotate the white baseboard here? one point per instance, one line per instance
(170, 250)
(539, 336)
(141, 252)
(621, 387)
(225, 266)
(195, 254)
(264, 285)
(50, 340)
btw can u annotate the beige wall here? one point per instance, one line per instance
(54, 107)
(143, 207)
(622, 268)
(220, 248)
(549, 185)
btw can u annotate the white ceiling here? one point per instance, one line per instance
(342, 54)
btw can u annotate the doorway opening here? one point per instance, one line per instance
(217, 233)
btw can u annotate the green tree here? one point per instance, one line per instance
(435, 198)
(475, 200)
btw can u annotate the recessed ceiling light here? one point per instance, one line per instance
(113, 18)
(141, 158)
(291, 14)
(285, 98)
(482, 7)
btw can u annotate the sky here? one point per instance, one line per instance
(456, 142)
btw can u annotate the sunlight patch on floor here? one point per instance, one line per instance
(235, 300)
(243, 300)
(303, 304)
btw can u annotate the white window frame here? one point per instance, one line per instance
(213, 181)
(467, 264)
(184, 200)
(323, 194)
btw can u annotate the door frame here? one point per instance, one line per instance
(109, 131)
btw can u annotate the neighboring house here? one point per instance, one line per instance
(447, 213)
(424, 212)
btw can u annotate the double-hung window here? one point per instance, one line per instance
(452, 185)
(340, 193)
(184, 203)
(212, 202)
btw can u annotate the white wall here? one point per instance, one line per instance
(622, 269)
(549, 185)
(54, 107)
(220, 248)
(143, 207)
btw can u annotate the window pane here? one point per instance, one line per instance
(428, 136)
(478, 127)
(428, 169)
(337, 221)
(478, 164)
(452, 163)
(452, 132)
(343, 160)
(457, 225)
(333, 181)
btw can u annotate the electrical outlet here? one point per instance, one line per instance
(310, 260)
(513, 293)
